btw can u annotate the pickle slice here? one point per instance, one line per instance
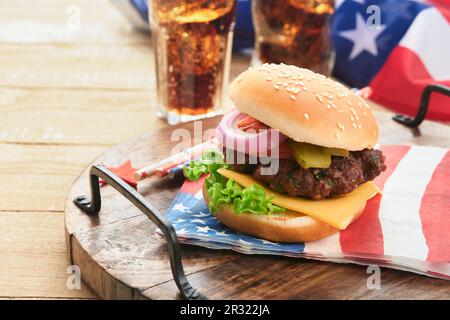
(309, 155)
(337, 152)
(312, 156)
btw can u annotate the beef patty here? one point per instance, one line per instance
(343, 175)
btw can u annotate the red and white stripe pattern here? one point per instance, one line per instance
(409, 225)
(421, 58)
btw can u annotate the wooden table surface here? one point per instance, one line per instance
(67, 94)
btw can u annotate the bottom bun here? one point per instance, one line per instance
(289, 226)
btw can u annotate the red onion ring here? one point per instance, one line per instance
(265, 143)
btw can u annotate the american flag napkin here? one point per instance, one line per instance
(407, 228)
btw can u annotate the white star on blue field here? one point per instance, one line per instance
(195, 225)
(364, 33)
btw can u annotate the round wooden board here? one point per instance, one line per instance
(121, 257)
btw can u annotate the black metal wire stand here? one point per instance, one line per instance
(423, 106)
(93, 207)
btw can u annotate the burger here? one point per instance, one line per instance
(296, 156)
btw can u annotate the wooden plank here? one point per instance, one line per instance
(139, 267)
(37, 178)
(99, 280)
(258, 277)
(83, 66)
(33, 259)
(33, 192)
(86, 67)
(51, 21)
(67, 116)
(80, 117)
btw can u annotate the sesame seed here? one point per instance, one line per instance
(354, 113)
(276, 87)
(292, 97)
(359, 126)
(268, 79)
(306, 116)
(354, 125)
(340, 126)
(264, 69)
(336, 135)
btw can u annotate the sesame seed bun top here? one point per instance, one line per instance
(305, 106)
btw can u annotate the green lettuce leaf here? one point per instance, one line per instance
(226, 191)
(209, 163)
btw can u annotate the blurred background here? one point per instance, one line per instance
(392, 47)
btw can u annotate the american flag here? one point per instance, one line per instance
(406, 228)
(407, 51)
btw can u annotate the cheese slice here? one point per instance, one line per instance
(338, 212)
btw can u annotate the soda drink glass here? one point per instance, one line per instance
(294, 32)
(192, 42)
